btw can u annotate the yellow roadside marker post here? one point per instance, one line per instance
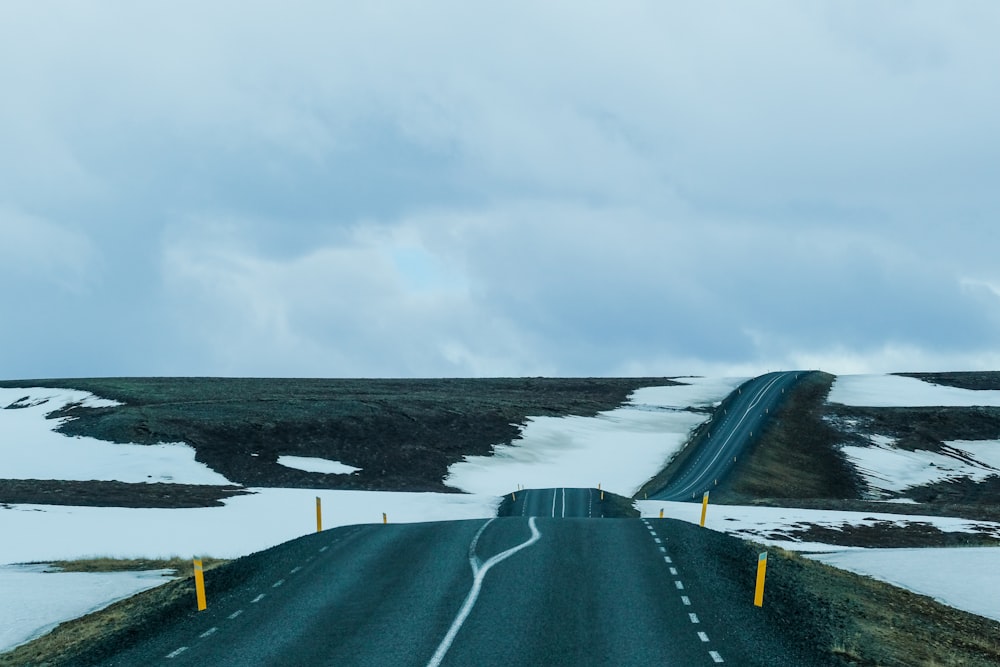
(704, 508)
(319, 515)
(385, 520)
(512, 496)
(758, 596)
(199, 584)
(661, 512)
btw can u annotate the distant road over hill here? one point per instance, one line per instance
(741, 420)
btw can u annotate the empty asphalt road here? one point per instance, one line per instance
(729, 433)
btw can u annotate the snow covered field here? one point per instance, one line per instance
(619, 449)
(35, 600)
(30, 448)
(897, 391)
(888, 468)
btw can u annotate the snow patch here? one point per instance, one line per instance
(314, 464)
(619, 449)
(897, 391)
(890, 469)
(36, 600)
(943, 574)
(31, 448)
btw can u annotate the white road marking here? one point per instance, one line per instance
(663, 549)
(277, 583)
(235, 614)
(564, 503)
(666, 559)
(208, 633)
(176, 653)
(694, 618)
(294, 570)
(679, 584)
(479, 570)
(658, 540)
(702, 636)
(555, 493)
(673, 571)
(686, 600)
(715, 656)
(322, 549)
(257, 599)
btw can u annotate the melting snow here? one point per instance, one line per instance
(619, 449)
(897, 391)
(31, 448)
(35, 600)
(313, 464)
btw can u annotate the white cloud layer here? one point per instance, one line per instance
(330, 188)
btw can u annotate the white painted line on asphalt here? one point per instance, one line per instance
(694, 618)
(663, 549)
(294, 570)
(257, 599)
(715, 656)
(555, 494)
(322, 549)
(679, 584)
(277, 583)
(667, 559)
(208, 633)
(686, 600)
(673, 571)
(235, 614)
(702, 636)
(658, 540)
(176, 653)
(564, 503)
(479, 570)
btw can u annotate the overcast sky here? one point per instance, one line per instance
(355, 189)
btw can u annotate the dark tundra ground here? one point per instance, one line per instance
(403, 434)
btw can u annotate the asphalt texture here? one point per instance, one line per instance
(730, 433)
(557, 503)
(531, 590)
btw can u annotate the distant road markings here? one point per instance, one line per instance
(294, 570)
(208, 633)
(564, 503)
(715, 656)
(686, 600)
(694, 618)
(236, 613)
(658, 540)
(322, 549)
(702, 636)
(257, 599)
(663, 549)
(479, 570)
(673, 571)
(277, 583)
(679, 584)
(176, 653)
(667, 559)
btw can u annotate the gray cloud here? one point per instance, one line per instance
(342, 189)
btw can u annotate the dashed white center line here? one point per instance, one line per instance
(235, 614)
(694, 618)
(673, 571)
(257, 599)
(176, 653)
(294, 570)
(679, 585)
(663, 549)
(277, 583)
(208, 633)
(667, 559)
(686, 600)
(322, 549)
(658, 540)
(715, 656)
(702, 636)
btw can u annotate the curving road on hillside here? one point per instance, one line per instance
(731, 431)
